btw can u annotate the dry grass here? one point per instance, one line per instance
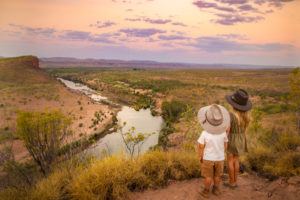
(113, 177)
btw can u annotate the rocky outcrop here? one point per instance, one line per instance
(21, 62)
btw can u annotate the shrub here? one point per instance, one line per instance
(163, 135)
(171, 111)
(144, 102)
(287, 164)
(275, 154)
(274, 108)
(42, 134)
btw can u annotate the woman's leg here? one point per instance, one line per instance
(231, 169)
(236, 168)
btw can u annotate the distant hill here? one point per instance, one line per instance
(68, 62)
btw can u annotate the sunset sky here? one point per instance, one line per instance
(196, 31)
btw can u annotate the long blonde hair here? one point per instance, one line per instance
(243, 118)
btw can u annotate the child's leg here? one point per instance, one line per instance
(231, 169)
(218, 172)
(207, 183)
(207, 171)
(236, 168)
(218, 169)
(217, 181)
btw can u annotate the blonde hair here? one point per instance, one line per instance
(243, 118)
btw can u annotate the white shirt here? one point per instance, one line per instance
(214, 145)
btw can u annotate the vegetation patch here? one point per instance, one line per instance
(112, 177)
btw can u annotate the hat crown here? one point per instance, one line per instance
(214, 115)
(240, 97)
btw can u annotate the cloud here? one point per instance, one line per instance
(87, 36)
(149, 20)
(203, 5)
(155, 21)
(140, 32)
(75, 35)
(102, 38)
(172, 37)
(233, 36)
(274, 3)
(215, 44)
(231, 12)
(231, 19)
(246, 7)
(104, 24)
(233, 2)
(46, 32)
(71, 35)
(179, 24)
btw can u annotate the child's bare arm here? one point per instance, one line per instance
(200, 151)
(225, 146)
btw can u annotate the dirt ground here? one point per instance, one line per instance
(249, 187)
(81, 114)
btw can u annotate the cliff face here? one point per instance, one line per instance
(24, 69)
(20, 62)
(33, 61)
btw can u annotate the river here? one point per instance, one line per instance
(141, 120)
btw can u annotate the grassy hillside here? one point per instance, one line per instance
(22, 75)
(26, 87)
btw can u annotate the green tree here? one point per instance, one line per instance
(43, 134)
(294, 81)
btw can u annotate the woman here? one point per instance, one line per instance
(239, 121)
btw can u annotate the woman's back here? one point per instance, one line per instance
(237, 139)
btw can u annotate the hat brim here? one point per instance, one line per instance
(214, 129)
(237, 106)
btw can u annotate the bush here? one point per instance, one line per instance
(171, 111)
(287, 164)
(158, 85)
(144, 102)
(275, 154)
(163, 135)
(42, 134)
(275, 108)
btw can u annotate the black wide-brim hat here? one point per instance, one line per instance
(240, 100)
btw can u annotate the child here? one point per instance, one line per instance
(212, 143)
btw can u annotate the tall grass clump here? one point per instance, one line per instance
(113, 177)
(275, 153)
